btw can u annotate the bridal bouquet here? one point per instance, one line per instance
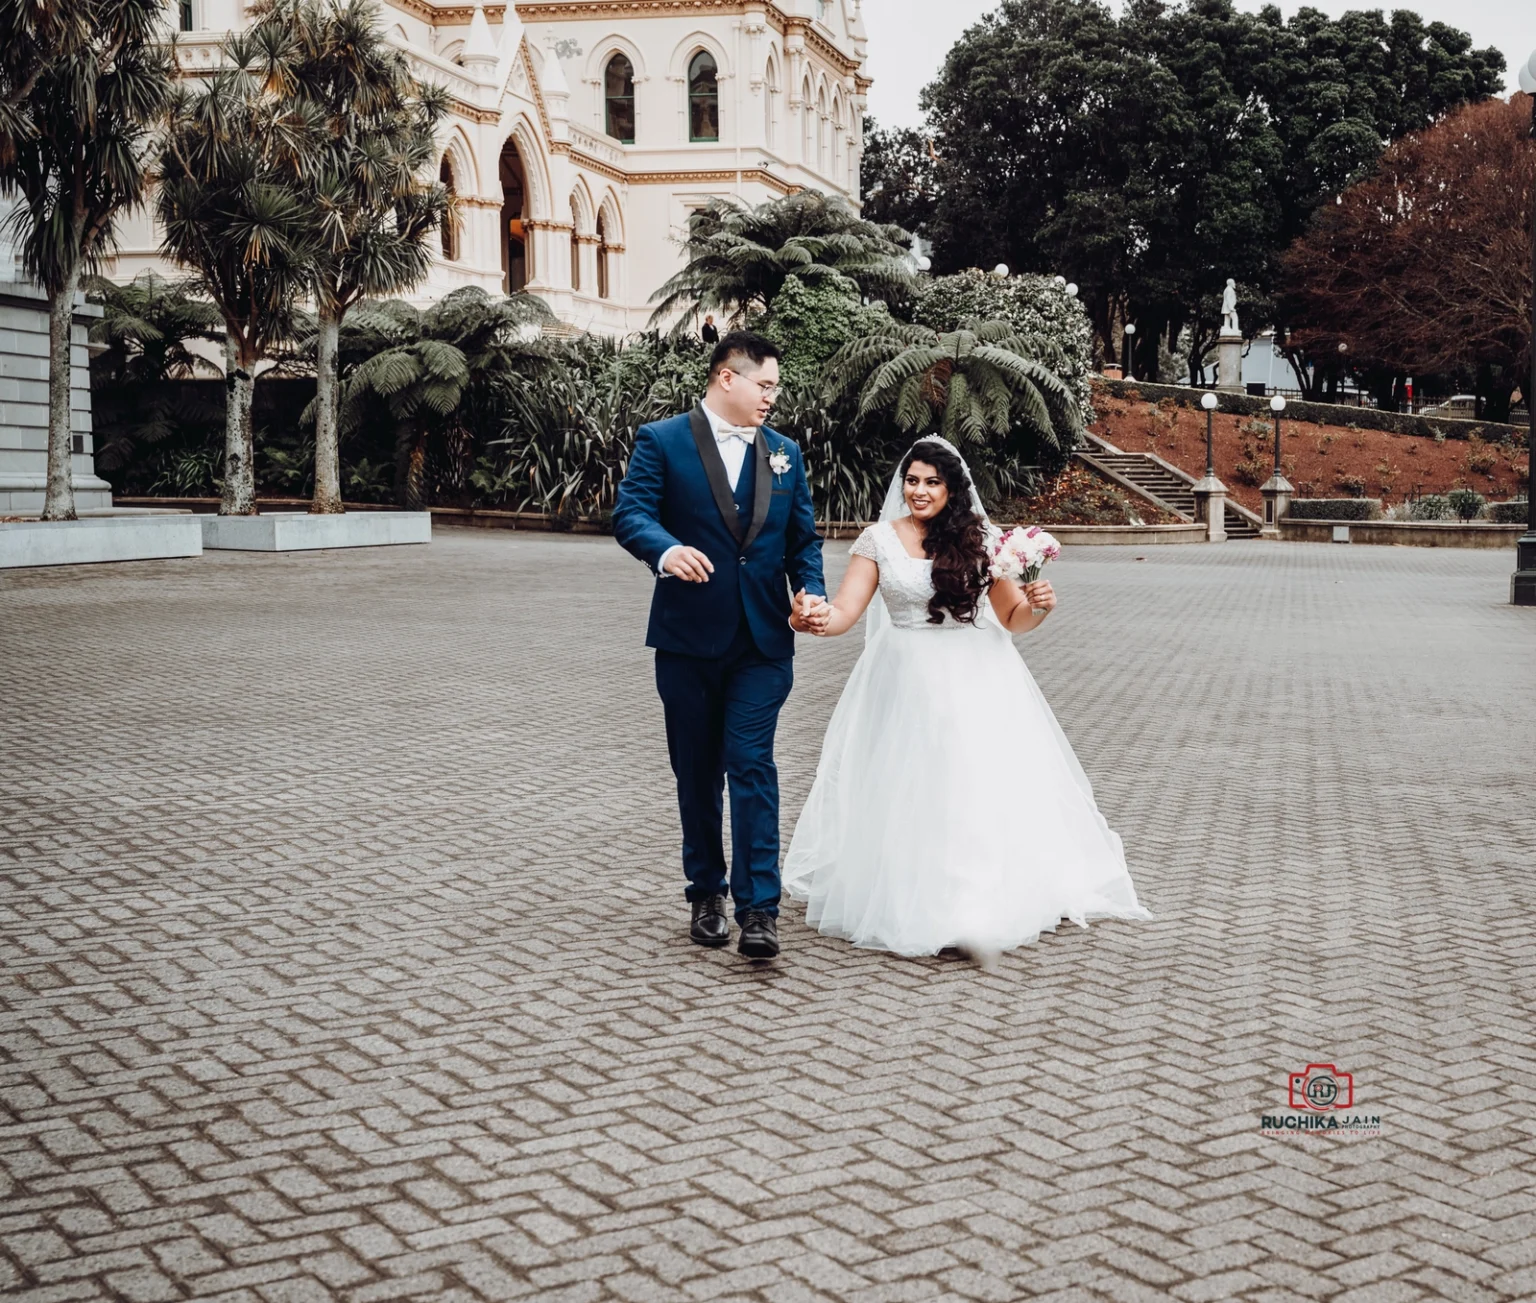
(1021, 553)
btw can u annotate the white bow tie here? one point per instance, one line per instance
(746, 433)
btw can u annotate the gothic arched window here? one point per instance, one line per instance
(838, 132)
(821, 131)
(619, 99)
(602, 257)
(770, 104)
(450, 232)
(703, 98)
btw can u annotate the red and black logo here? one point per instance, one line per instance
(1322, 1086)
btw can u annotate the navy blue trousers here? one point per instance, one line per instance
(722, 713)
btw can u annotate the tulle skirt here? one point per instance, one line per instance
(949, 808)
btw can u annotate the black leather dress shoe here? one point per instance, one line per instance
(710, 925)
(759, 935)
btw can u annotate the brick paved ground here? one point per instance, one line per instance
(343, 955)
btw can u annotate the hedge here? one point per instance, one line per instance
(1514, 512)
(1334, 509)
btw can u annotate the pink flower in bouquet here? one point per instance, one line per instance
(1020, 553)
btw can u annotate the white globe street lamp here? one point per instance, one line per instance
(1209, 401)
(1277, 405)
(1130, 340)
(1000, 271)
(1072, 289)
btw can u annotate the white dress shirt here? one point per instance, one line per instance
(733, 452)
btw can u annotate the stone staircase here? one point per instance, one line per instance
(1158, 482)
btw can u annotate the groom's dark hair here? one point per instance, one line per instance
(741, 344)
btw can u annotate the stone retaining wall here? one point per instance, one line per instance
(1405, 533)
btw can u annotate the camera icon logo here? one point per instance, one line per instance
(1322, 1086)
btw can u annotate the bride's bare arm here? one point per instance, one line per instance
(853, 595)
(1013, 601)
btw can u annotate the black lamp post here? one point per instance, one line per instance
(1130, 339)
(1208, 401)
(1277, 405)
(1522, 584)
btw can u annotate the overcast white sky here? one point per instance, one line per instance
(908, 39)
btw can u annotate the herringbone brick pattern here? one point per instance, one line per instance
(343, 952)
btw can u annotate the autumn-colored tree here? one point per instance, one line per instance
(1425, 266)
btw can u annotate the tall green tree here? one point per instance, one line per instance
(75, 144)
(373, 200)
(739, 257)
(237, 207)
(1151, 155)
(898, 177)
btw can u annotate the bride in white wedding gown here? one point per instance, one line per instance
(948, 808)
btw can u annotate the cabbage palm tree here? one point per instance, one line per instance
(739, 257)
(75, 153)
(974, 382)
(376, 199)
(33, 34)
(234, 207)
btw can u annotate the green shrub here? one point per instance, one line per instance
(1353, 485)
(1514, 512)
(1481, 459)
(568, 430)
(810, 322)
(1465, 503)
(1252, 471)
(1053, 326)
(1334, 509)
(1432, 506)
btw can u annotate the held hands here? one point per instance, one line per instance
(1040, 596)
(690, 565)
(809, 614)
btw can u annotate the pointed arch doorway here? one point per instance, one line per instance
(516, 239)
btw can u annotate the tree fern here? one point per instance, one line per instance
(739, 257)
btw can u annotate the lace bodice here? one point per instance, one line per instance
(906, 581)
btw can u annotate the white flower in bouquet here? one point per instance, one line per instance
(1021, 553)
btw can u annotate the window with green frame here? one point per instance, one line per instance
(703, 98)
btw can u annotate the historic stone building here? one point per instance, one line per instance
(585, 131)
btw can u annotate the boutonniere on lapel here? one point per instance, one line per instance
(778, 463)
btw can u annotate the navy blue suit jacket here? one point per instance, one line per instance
(676, 492)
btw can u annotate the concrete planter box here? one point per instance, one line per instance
(298, 531)
(1139, 535)
(105, 538)
(1403, 533)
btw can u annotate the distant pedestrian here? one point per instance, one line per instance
(710, 333)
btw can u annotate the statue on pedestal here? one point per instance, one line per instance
(1229, 324)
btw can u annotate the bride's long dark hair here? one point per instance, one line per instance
(954, 540)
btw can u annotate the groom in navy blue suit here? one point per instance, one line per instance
(717, 505)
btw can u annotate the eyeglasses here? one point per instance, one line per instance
(770, 392)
